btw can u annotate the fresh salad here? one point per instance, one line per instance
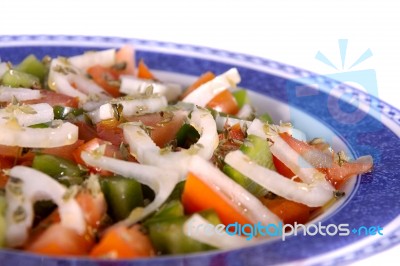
(101, 158)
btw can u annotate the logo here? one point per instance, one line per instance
(250, 231)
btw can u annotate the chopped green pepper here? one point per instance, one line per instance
(241, 97)
(122, 195)
(168, 237)
(169, 210)
(33, 66)
(186, 136)
(258, 150)
(266, 118)
(14, 78)
(61, 112)
(64, 171)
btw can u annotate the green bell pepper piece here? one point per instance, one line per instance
(122, 195)
(61, 112)
(266, 118)
(168, 237)
(64, 171)
(241, 97)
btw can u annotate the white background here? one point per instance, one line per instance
(288, 31)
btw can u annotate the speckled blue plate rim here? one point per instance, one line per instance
(380, 185)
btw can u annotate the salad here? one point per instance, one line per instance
(101, 158)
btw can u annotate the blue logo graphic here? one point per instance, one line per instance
(345, 107)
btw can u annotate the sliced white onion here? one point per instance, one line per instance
(93, 104)
(41, 113)
(3, 68)
(87, 86)
(62, 85)
(244, 201)
(245, 112)
(34, 186)
(131, 107)
(21, 94)
(161, 181)
(314, 194)
(146, 151)
(144, 105)
(131, 85)
(258, 128)
(62, 75)
(217, 237)
(13, 135)
(223, 121)
(206, 92)
(104, 58)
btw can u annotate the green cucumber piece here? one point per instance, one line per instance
(33, 66)
(16, 79)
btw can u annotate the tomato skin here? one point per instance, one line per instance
(198, 196)
(86, 132)
(103, 76)
(161, 132)
(337, 174)
(144, 71)
(224, 102)
(64, 151)
(126, 54)
(281, 168)
(54, 98)
(206, 77)
(110, 150)
(289, 211)
(93, 207)
(108, 130)
(58, 240)
(120, 242)
(5, 163)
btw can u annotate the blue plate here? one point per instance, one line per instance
(320, 106)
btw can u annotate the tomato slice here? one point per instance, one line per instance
(54, 98)
(289, 211)
(126, 55)
(123, 242)
(5, 163)
(58, 240)
(337, 174)
(224, 102)
(94, 208)
(282, 169)
(163, 125)
(144, 72)
(198, 196)
(86, 132)
(106, 78)
(108, 130)
(206, 77)
(64, 151)
(110, 150)
(51, 238)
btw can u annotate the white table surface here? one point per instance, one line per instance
(291, 32)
